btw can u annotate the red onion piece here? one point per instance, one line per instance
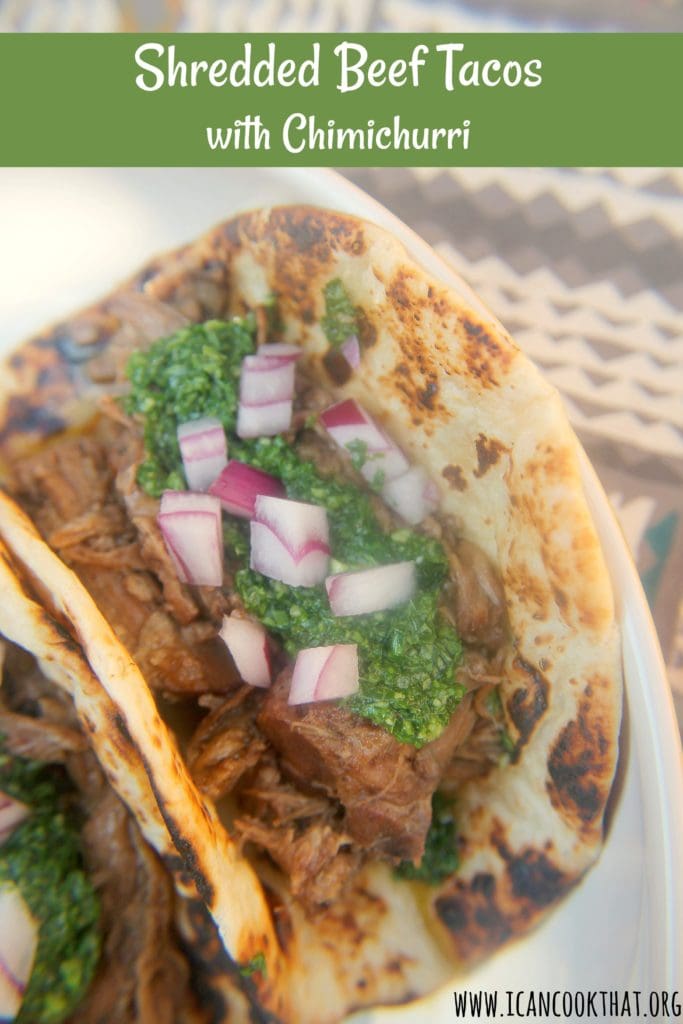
(186, 501)
(278, 353)
(18, 943)
(412, 495)
(290, 541)
(347, 422)
(263, 381)
(264, 420)
(12, 813)
(239, 485)
(266, 393)
(296, 523)
(247, 642)
(191, 527)
(324, 673)
(371, 590)
(204, 450)
(271, 558)
(343, 414)
(351, 351)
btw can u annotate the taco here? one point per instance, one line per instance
(391, 666)
(91, 927)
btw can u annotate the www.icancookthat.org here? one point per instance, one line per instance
(536, 1004)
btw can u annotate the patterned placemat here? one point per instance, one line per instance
(339, 15)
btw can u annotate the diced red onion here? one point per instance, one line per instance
(204, 450)
(324, 673)
(12, 813)
(343, 414)
(351, 351)
(186, 501)
(371, 590)
(264, 420)
(264, 380)
(347, 422)
(290, 541)
(296, 523)
(238, 486)
(413, 495)
(266, 393)
(278, 353)
(18, 944)
(191, 527)
(247, 642)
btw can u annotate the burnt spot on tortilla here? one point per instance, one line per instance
(579, 768)
(528, 704)
(184, 847)
(337, 366)
(316, 235)
(473, 917)
(485, 358)
(489, 451)
(65, 637)
(122, 728)
(366, 330)
(306, 232)
(74, 351)
(483, 913)
(427, 395)
(147, 274)
(24, 416)
(455, 477)
(535, 880)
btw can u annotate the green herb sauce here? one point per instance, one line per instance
(408, 655)
(192, 374)
(42, 858)
(341, 318)
(440, 859)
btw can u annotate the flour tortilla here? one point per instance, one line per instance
(462, 400)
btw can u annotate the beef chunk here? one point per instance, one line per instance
(385, 786)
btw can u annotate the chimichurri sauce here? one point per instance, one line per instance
(42, 858)
(407, 655)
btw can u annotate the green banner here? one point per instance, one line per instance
(333, 100)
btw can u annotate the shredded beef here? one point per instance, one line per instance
(226, 745)
(271, 798)
(82, 495)
(143, 974)
(318, 859)
(385, 786)
(38, 739)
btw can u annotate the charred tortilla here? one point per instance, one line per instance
(458, 396)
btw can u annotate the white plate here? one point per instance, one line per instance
(69, 235)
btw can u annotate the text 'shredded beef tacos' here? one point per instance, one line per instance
(429, 777)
